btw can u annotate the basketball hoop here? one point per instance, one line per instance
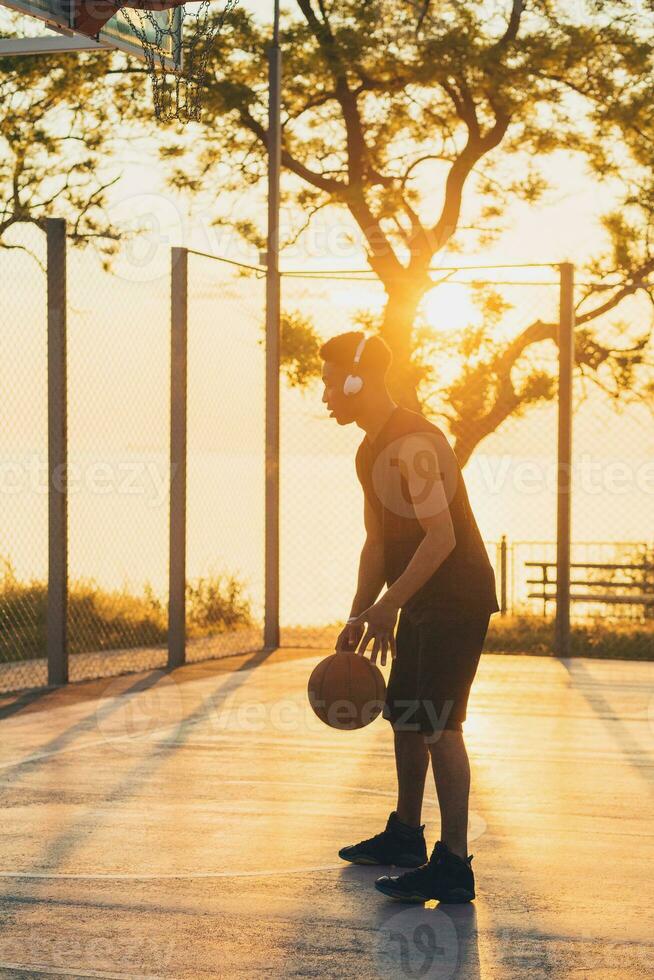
(191, 32)
(176, 43)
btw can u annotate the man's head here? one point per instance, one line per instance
(338, 356)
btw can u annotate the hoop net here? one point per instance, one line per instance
(186, 39)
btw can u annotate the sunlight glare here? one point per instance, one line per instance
(450, 307)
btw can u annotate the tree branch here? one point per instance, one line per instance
(474, 150)
(638, 281)
(513, 26)
(330, 186)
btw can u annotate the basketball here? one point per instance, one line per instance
(346, 690)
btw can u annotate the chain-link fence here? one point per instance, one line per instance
(118, 363)
(489, 339)
(225, 505)
(24, 461)
(116, 420)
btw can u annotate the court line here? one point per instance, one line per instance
(68, 972)
(154, 876)
(186, 875)
(225, 735)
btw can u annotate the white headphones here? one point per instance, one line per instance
(354, 383)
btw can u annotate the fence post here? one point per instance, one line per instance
(271, 612)
(503, 575)
(564, 467)
(57, 601)
(178, 379)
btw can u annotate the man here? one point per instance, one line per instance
(423, 542)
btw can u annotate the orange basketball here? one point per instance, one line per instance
(346, 690)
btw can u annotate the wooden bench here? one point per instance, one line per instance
(644, 597)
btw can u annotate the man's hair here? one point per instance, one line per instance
(375, 361)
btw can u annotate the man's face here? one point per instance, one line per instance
(341, 407)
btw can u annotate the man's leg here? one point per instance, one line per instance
(451, 769)
(411, 762)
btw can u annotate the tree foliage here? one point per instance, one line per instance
(422, 122)
(59, 122)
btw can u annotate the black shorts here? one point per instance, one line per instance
(433, 671)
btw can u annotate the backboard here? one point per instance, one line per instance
(58, 16)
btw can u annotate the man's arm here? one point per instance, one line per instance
(420, 466)
(371, 564)
(371, 578)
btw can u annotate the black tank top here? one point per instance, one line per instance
(465, 580)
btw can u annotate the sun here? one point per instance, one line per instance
(449, 306)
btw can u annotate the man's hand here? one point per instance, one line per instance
(349, 637)
(381, 618)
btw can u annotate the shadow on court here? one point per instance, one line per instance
(186, 825)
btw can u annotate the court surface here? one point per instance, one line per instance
(187, 826)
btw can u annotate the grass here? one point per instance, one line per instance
(526, 634)
(599, 637)
(100, 619)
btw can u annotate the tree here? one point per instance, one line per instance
(411, 118)
(58, 124)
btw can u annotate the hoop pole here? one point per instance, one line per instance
(271, 613)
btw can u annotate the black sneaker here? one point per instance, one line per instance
(446, 877)
(399, 844)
